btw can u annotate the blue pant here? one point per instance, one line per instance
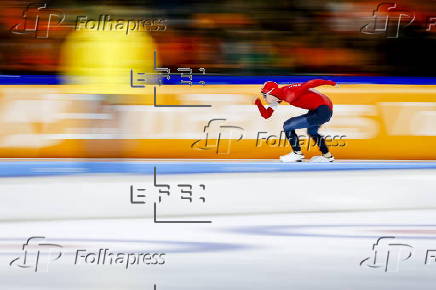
(312, 120)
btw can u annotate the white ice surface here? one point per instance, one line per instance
(260, 237)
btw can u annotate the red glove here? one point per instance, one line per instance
(266, 113)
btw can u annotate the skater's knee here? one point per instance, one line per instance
(289, 125)
(313, 132)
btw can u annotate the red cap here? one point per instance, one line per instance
(268, 87)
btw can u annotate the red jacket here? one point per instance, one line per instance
(299, 95)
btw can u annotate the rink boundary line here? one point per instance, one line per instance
(238, 80)
(50, 168)
(212, 214)
(309, 230)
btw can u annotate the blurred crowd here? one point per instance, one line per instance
(255, 37)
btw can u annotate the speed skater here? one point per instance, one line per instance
(301, 95)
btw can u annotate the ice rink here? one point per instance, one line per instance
(218, 225)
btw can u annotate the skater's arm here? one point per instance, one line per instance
(294, 92)
(311, 84)
(266, 113)
(316, 83)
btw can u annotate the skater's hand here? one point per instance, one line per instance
(258, 102)
(267, 113)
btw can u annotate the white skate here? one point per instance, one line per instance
(292, 157)
(322, 159)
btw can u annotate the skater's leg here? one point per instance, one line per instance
(289, 127)
(293, 140)
(320, 116)
(319, 140)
